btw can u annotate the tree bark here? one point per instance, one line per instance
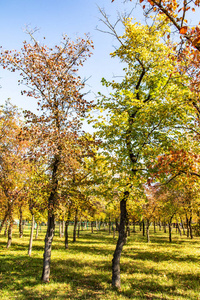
(170, 229)
(190, 227)
(75, 225)
(147, 230)
(178, 227)
(31, 236)
(92, 229)
(20, 222)
(66, 228)
(154, 226)
(66, 235)
(183, 227)
(109, 226)
(60, 229)
(6, 229)
(134, 231)
(143, 228)
(116, 281)
(37, 230)
(9, 242)
(4, 221)
(47, 250)
(51, 223)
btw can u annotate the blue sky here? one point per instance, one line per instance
(54, 18)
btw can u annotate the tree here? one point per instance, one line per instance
(51, 77)
(13, 168)
(139, 111)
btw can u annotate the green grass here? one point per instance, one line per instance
(158, 270)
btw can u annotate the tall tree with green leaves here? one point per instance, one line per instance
(141, 111)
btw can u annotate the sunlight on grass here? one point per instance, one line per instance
(158, 270)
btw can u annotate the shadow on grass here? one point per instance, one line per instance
(76, 277)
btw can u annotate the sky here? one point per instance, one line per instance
(53, 19)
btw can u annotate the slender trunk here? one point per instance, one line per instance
(97, 225)
(114, 231)
(20, 222)
(178, 227)
(187, 226)
(10, 234)
(116, 281)
(48, 244)
(147, 230)
(31, 236)
(143, 228)
(79, 227)
(66, 235)
(60, 229)
(134, 231)
(51, 223)
(170, 229)
(92, 230)
(154, 226)
(4, 221)
(75, 225)
(67, 226)
(63, 226)
(109, 224)
(183, 227)
(6, 229)
(190, 228)
(37, 231)
(140, 226)
(160, 226)
(165, 227)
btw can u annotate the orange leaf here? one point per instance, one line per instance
(183, 30)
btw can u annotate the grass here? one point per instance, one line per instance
(158, 270)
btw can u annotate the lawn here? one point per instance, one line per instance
(158, 270)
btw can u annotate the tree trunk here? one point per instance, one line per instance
(47, 250)
(60, 228)
(66, 227)
(134, 231)
(178, 227)
(4, 221)
(79, 227)
(92, 230)
(140, 226)
(165, 227)
(20, 222)
(31, 236)
(187, 226)
(143, 228)
(75, 225)
(66, 235)
(51, 223)
(154, 226)
(170, 229)
(37, 230)
(6, 229)
(190, 228)
(147, 230)
(159, 224)
(63, 226)
(183, 227)
(109, 224)
(10, 234)
(116, 281)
